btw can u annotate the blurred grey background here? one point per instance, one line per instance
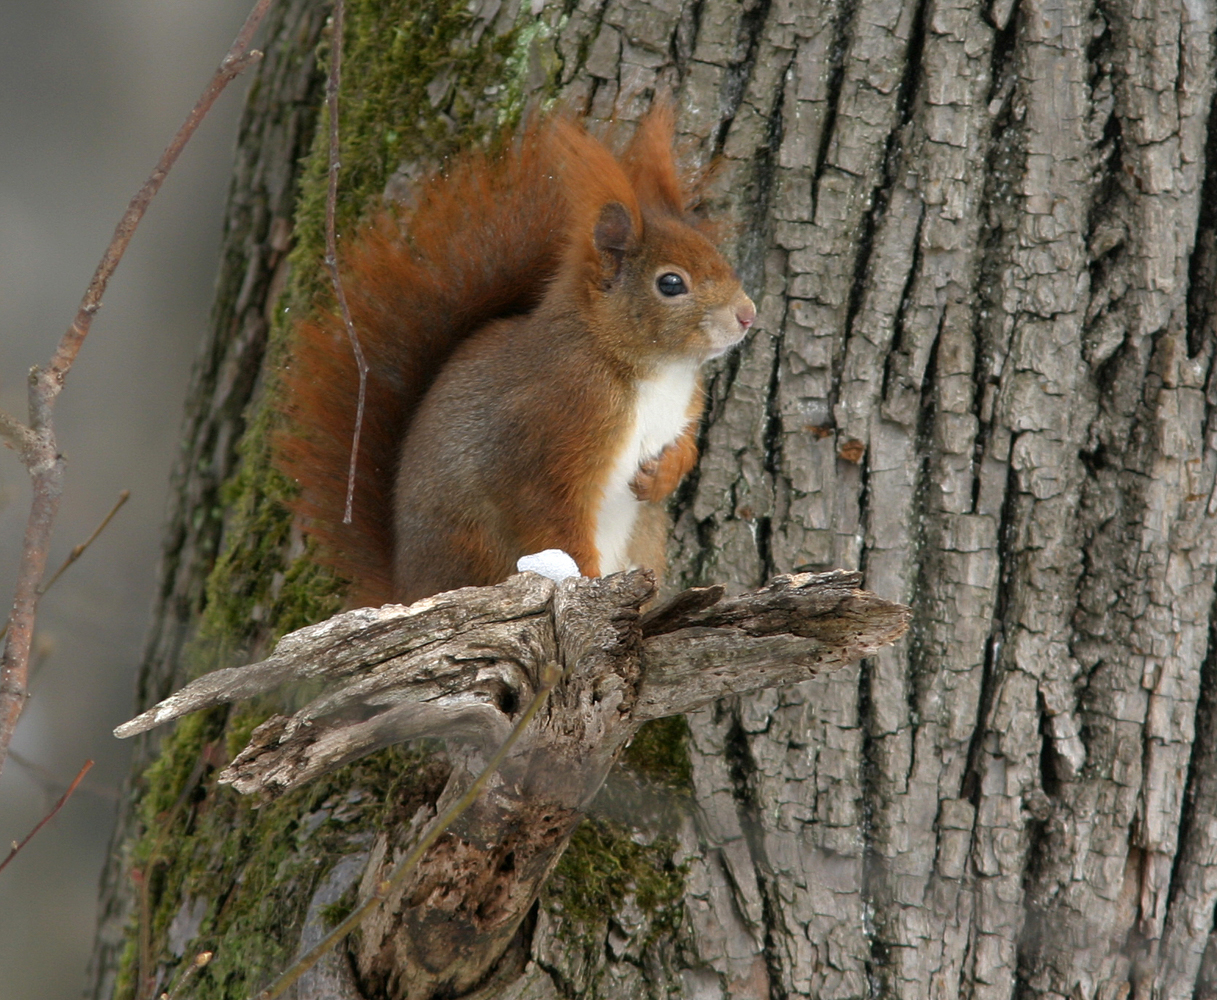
(93, 89)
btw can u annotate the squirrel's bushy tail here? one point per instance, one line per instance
(481, 242)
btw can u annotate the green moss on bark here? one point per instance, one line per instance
(660, 752)
(253, 868)
(604, 864)
(606, 874)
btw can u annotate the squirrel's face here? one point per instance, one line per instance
(705, 315)
(674, 296)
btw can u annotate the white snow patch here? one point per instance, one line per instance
(553, 564)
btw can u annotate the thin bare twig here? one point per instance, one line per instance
(331, 245)
(298, 968)
(14, 666)
(50, 782)
(200, 960)
(49, 816)
(79, 550)
(237, 59)
(36, 442)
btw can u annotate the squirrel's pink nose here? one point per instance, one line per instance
(746, 313)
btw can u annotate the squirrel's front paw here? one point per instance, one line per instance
(657, 478)
(644, 481)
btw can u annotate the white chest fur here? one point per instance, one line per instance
(660, 416)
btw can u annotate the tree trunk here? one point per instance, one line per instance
(982, 246)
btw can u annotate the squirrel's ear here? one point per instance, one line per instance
(614, 235)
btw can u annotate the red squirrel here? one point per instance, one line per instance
(535, 324)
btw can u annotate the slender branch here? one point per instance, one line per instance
(15, 664)
(15, 434)
(50, 782)
(331, 245)
(200, 960)
(238, 58)
(36, 441)
(49, 816)
(79, 550)
(298, 968)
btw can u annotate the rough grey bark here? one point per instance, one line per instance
(982, 245)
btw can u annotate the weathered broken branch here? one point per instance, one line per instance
(454, 665)
(463, 666)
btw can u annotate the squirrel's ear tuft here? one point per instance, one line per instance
(604, 218)
(614, 235)
(649, 163)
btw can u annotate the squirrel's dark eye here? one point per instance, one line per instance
(671, 284)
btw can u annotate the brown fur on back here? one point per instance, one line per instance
(481, 243)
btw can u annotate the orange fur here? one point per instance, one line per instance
(506, 318)
(650, 165)
(657, 479)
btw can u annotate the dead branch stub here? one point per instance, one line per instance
(462, 666)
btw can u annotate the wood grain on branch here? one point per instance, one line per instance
(462, 666)
(448, 665)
